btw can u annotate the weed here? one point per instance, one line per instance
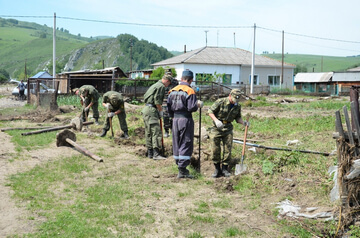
(194, 235)
(245, 184)
(233, 231)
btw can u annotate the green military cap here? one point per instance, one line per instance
(236, 95)
(167, 77)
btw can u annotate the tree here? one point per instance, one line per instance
(157, 73)
(300, 69)
(4, 75)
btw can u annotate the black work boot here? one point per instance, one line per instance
(184, 173)
(157, 155)
(225, 170)
(125, 135)
(150, 153)
(103, 133)
(217, 172)
(97, 121)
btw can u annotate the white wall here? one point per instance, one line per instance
(239, 73)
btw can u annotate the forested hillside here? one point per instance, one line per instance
(32, 43)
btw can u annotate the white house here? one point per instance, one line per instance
(235, 63)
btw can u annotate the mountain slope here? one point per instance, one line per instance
(318, 63)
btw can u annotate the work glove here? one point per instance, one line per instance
(161, 114)
(111, 114)
(107, 105)
(199, 103)
(86, 109)
(246, 123)
(219, 124)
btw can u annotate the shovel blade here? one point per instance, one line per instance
(240, 168)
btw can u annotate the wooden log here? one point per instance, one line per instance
(355, 117)
(24, 128)
(338, 124)
(54, 129)
(83, 150)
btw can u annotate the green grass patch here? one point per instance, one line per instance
(234, 232)
(31, 142)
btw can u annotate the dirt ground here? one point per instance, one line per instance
(13, 216)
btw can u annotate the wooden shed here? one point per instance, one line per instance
(102, 79)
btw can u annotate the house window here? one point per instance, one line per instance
(274, 80)
(227, 79)
(203, 77)
(256, 81)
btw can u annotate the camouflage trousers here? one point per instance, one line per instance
(94, 108)
(219, 140)
(153, 132)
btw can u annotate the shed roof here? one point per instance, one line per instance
(42, 74)
(352, 76)
(221, 56)
(313, 77)
(98, 71)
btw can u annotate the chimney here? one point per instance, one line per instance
(184, 49)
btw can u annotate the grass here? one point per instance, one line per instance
(81, 199)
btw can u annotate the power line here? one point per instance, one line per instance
(183, 26)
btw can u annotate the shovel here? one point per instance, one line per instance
(241, 168)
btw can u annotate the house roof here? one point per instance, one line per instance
(221, 56)
(313, 77)
(97, 71)
(352, 76)
(41, 74)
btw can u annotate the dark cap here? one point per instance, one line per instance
(187, 73)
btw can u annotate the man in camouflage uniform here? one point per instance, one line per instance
(167, 118)
(89, 98)
(152, 113)
(223, 112)
(114, 103)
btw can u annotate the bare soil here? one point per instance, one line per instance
(14, 216)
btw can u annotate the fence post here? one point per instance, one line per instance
(135, 90)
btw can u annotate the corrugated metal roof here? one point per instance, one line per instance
(346, 77)
(313, 77)
(42, 74)
(95, 71)
(221, 56)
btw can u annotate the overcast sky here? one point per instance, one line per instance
(318, 27)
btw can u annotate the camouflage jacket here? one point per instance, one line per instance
(155, 94)
(93, 93)
(115, 99)
(225, 112)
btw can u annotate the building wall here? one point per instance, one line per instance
(263, 73)
(240, 74)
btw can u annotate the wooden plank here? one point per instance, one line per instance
(355, 118)
(348, 126)
(338, 124)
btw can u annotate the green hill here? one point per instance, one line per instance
(23, 41)
(318, 63)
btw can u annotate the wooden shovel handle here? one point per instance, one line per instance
(245, 135)
(243, 150)
(83, 150)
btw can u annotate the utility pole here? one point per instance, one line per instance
(131, 45)
(282, 61)
(54, 50)
(234, 41)
(253, 64)
(206, 37)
